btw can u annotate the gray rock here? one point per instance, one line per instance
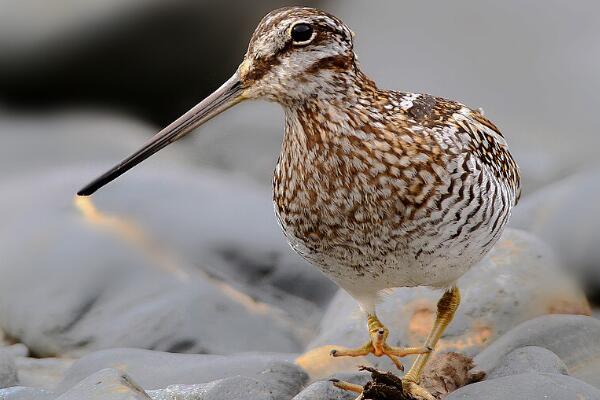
(222, 234)
(528, 386)
(565, 214)
(136, 285)
(155, 370)
(573, 338)
(519, 280)
(25, 393)
(529, 359)
(237, 388)
(278, 382)
(8, 370)
(103, 139)
(325, 390)
(34, 144)
(224, 143)
(107, 384)
(44, 373)
(16, 350)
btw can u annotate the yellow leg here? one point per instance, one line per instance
(378, 345)
(445, 312)
(446, 308)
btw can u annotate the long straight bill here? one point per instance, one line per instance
(223, 98)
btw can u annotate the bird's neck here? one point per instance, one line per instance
(323, 135)
(340, 88)
(341, 108)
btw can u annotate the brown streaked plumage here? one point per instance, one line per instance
(379, 189)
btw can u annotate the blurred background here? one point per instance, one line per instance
(190, 236)
(533, 68)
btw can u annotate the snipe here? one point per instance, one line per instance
(379, 189)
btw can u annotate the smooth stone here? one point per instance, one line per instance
(67, 138)
(528, 386)
(224, 143)
(128, 287)
(520, 279)
(44, 373)
(155, 370)
(325, 389)
(529, 359)
(565, 215)
(221, 234)
(25, 393)
(103, 138)
(278, 382)
(573, 338)
(8, 370)
(107, 384)
(16, 350)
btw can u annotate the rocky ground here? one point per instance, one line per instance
(176, 282)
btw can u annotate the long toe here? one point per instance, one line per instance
(358, 352)
(396, 361)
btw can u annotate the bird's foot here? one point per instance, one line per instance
(378, 346)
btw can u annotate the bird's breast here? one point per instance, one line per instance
(333, 201)
(360, 193)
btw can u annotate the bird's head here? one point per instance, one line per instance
(296, 53)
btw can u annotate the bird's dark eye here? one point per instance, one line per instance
(302, 33)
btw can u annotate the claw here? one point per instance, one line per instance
(396, 361)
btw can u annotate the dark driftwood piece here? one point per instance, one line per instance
(445, 373)
(383, 386)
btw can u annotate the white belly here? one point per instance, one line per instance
(434, 250)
